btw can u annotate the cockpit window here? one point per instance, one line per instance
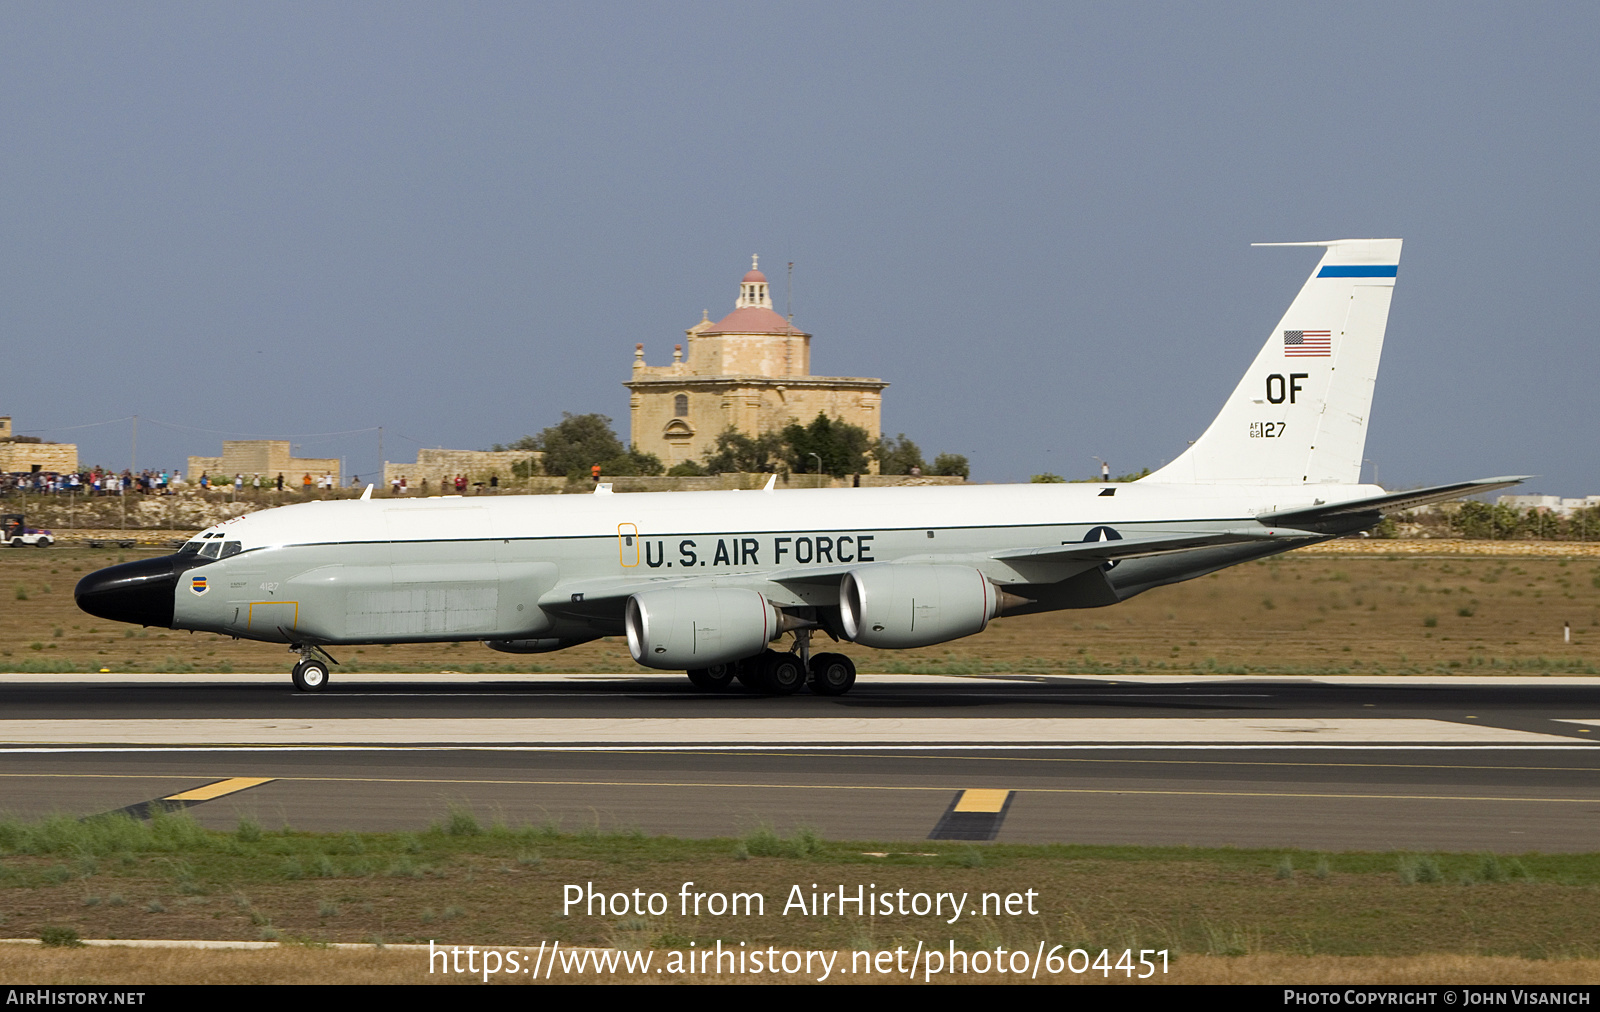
(190, 547)
(231, 548)
(211, 549)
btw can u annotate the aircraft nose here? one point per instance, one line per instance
(139, 592)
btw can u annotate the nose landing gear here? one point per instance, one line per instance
(311, 674)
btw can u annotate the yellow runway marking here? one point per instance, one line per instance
(942, 790)
(220, 788)
(702, 785)
(982, 801)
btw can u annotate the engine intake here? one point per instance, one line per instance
(898, 606)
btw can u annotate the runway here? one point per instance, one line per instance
(1506, 765)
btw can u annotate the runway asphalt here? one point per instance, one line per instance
(1461, 764)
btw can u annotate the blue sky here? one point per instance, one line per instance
(456, 220)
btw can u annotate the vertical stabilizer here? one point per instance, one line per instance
(1299, 416)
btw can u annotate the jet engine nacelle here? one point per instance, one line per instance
(895, 606)
(686, 628)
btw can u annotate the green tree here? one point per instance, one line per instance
(1047, 479)
(578, 442)
(632, 462)
(525, 443)
(897, 456)
(1130, 476)
(952, 464)
(842, 447)
(1481, 520)
(736, 452)
(1585, 524)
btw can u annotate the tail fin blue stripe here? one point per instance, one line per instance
(1346, 271)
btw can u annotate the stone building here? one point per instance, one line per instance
(477, 465)
(750, 371)
(266, 457)
(27, 455)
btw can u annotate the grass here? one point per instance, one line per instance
(298, 963)
(1364, 614)
(505, 885)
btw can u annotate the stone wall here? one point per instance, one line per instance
(266, 457)
(715, 482)
(477, 465)
(60, 457)
(556, 485)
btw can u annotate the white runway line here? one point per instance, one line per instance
(757, 731)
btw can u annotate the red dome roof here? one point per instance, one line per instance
(755, 276)
(753, 320)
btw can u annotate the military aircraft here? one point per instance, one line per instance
(706, 582)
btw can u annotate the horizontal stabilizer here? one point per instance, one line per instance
(1161, 544)
(1393, 502)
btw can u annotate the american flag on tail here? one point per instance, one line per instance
(1307, 343)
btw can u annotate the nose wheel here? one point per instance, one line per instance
(311, 674)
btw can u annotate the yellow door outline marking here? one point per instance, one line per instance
(250, 617)
(628, 545)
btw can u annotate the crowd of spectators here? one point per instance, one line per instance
(99, 481)
(94, 481)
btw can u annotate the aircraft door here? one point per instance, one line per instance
(628, 545)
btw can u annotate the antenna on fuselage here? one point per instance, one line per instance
(368, 493)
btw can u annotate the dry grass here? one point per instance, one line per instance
(1354, 612)
(501, 886)
(302, 965)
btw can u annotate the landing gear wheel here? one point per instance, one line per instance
(310, 676)
(781, 673)
(751, 672)
(832, 674)
(716, 678)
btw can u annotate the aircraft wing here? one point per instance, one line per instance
(604, 598)
(601, 598)
(1390, 503)
(1155, 544)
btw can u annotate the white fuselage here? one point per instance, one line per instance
(508, 567)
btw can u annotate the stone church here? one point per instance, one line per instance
(750, 370)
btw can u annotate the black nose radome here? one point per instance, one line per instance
(139, 592)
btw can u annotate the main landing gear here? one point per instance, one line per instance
(311, 674)
(782, 673)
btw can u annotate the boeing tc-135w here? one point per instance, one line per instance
(707, 581)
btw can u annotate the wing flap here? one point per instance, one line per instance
(1393, 502)
(1155, 544)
